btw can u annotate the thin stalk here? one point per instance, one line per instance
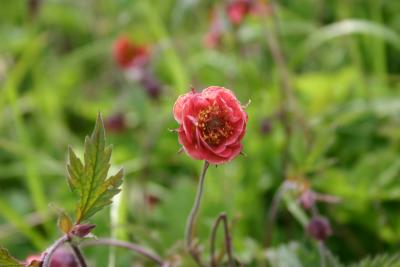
(156, 25)
(271, 217)
(193, 215)
(228, 240)
(118, 218)
(289, 105)
(46, 256)
(322, 253)
(78, 254)
(123, 244)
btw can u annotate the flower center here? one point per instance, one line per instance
(213, 125)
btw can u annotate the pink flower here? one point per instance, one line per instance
(237, 10)
(127, 54)
(212, 124)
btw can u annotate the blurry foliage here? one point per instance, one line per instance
(57, 72)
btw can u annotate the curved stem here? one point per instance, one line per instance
(228, 240)
(46, 256)
(122, 244)
(78, 254)
(193, 215)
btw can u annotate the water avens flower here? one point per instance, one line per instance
(212, 124)
(128, 54)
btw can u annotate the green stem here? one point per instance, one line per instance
(123, 244)
(78, 254)
(193, 215)
(178, 72)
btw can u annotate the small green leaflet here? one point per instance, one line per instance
(90, 179)
(379, 261)
(64, 222)
(6, 260)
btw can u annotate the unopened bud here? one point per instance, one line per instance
(63, 257)
(319, 228)
(265, 126)
(116, 123)
(151, 85)
(82, 230)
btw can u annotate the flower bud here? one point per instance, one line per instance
(319, 228)
(63, 257)
(265, 126)
(151, 86)
(82, 230)
(151, 200)
(116, 123)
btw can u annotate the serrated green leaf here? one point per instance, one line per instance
(379, 261)
(6, 260)
(90, 179)
(64, 222)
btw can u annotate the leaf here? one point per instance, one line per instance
(6, 260)
(90, 179)
(295, 254)
(353, 26)
(64, 222)
(379, 261)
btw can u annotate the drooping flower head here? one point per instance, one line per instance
(63, 257)
(212, 124)
(128, 54)
(319, 228)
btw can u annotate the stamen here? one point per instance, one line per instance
(213, 125)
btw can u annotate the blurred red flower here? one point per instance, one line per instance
(212, 124)
(127, 54)
(237, 10)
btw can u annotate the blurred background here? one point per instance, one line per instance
(323, 80)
